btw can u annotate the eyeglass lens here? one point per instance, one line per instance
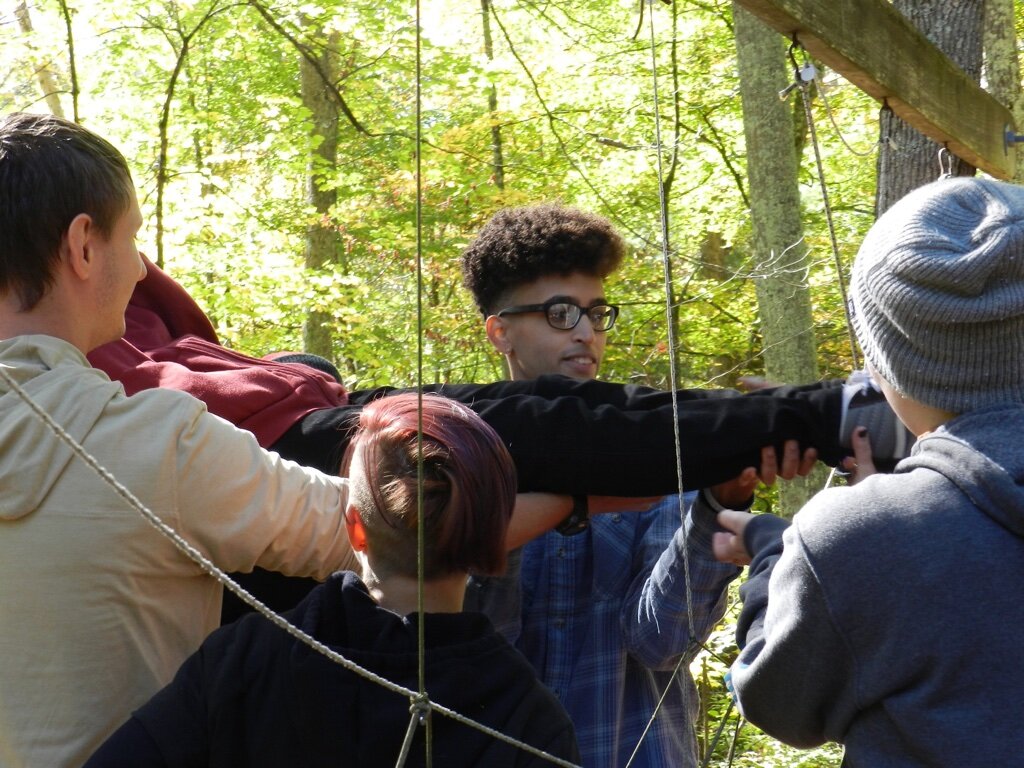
(564, 316)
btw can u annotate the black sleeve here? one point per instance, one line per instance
(130, 746)
(577, 437)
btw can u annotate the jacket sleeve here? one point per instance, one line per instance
(130, 746)
(245, 507)
(794, 676)
(656, 615)
(168, 731)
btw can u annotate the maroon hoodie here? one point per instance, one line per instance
(169, 342)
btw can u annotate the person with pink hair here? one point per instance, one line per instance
(254, 695)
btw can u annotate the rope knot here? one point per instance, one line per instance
(420, 707)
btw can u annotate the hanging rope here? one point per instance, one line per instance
(657, 709)
(718, 734)
(420, 524)
(804, 76)
(666, 260)
(666, 255)
(420, 711)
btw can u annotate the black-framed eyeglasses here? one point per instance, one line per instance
(565, 315)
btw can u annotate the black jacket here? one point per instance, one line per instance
(255, 696)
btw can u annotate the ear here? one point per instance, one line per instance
(79, 241)
(355, 528)
(497, 334)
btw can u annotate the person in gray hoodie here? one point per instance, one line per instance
(887, 617)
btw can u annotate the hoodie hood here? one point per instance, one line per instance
(980, 453)
(49, 370)
(274, 701)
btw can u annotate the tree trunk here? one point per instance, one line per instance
(321, 236)
(45, 74)
(497, 153)
(1002, 66)
(906, 158)
(783, 297)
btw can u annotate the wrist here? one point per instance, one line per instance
(578, 519)
(709, 498)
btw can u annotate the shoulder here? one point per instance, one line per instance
(164, 414)
(877, 502)
(842, 530)
(248, 647)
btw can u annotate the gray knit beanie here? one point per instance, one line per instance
(937, 293)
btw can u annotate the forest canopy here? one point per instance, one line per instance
(311, 171)
(214, 104)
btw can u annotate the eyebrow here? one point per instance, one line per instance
(572, 300)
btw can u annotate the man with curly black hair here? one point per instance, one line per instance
(533, 249)
(601, 610)
(608, 616)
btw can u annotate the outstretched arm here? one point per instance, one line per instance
(683, 582)
(792, 678)
(681, 586)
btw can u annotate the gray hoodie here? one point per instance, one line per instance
(891, 618)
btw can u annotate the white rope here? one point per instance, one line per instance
(207, 565)
(804, 76)
(666, 253)
(420, 523)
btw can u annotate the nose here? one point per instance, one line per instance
(584, 330)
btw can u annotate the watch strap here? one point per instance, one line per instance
(578, 519)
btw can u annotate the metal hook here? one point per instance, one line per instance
(784, 93)
(946, 159)
(802, 74)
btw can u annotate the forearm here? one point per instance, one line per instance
(535, 514)
(565, 445)
(679, 591)
(793, 677)
(600, 438)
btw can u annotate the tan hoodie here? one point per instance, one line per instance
(97, 608)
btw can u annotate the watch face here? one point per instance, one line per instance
(577, 527)
(574, 524)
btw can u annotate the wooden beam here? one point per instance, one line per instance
(874, 46)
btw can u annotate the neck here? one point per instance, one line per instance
(401, 594)
(47, 318)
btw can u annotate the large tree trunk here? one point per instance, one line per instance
(497, 152)
(44, 71)
(321, 236)
(783, 298)
(1002, 65)
(906, 158)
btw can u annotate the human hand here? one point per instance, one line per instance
(861, 464)
(736, 493)
(727, 546)
(793, 464)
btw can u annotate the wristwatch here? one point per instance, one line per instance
(578, 520)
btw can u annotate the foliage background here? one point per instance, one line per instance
(576, 115)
